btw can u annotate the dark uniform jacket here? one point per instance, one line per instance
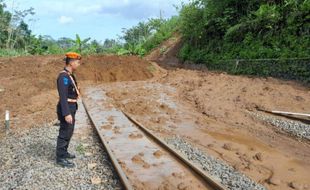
(66, 90)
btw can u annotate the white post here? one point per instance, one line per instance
(7, 120)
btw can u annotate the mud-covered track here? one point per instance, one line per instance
(208, 179)
(127, 185)
(148, 155)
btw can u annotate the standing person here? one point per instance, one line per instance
(66, 108)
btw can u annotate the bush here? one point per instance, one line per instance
(232, 29)
(12, 53)
(229, 29)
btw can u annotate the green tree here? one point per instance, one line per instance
(109, 43)
(18, 32)
(65, 43)
(137, 34)
(228, 29)
(96, 47)
(80, 44)
(5, 19)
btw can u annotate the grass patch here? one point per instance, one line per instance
(80, 149)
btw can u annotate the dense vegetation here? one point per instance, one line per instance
(229, 29)
(15, 35)
(17, 39)
(217, 33)
(145, 36)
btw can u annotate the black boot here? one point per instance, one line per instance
(65, 163)
(70, 156)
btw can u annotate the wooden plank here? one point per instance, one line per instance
(291, 114)
(300, 116)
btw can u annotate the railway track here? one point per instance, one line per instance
(141, 159)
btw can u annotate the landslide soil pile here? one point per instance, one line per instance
(28, 84)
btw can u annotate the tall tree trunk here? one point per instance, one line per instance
(8, 42)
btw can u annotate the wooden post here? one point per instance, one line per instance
(7, 120)
(236, 65)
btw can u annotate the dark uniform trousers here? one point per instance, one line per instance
(65, 131)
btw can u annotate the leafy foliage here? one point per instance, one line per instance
(14, 32)
(146, 36)
(230, 29)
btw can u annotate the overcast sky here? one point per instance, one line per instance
(98, 19)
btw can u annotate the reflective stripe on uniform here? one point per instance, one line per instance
(72, 100)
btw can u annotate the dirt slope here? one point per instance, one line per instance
(166, 53)
(114, 68)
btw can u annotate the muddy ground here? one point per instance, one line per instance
(212, 111)
(209, 109)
